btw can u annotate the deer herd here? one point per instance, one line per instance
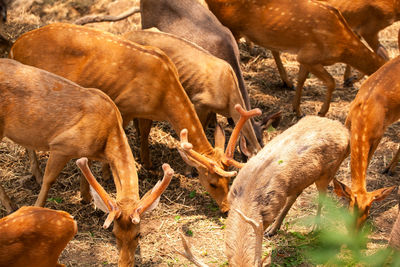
(183, 67)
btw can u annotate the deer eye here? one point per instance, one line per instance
(213, 186)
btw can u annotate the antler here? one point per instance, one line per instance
(149, 199)
(230, 148)
(188, 254)
(186, 148)
(114, 211)
(258, 230)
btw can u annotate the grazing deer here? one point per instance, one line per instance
(367, 18)
(266, 187)
(142, 81)
(315, 32)
(46, 112)
(35, 237)
(190, 20)
(209, 82)
(127, 209)
(376, 106)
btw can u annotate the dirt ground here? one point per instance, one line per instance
(185, 206)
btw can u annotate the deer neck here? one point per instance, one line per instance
(240, 239)
(362, 58)
(182, 115)
(123, 167)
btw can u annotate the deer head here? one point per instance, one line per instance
(360, 202)
(125, 212)
(212, 173)
(233, 259)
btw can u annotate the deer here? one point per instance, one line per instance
(94, 58)
(315, 32)
(193, 22)
(209, 82)
(375, 107)
(46, 112)
(367, 19)
(35, 236)
(264, 190)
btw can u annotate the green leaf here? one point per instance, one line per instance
(55, 199)
(271, 129)
(280, 161)
(189, 232)
(192, 194)
(177, 217)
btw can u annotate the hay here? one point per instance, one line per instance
(185, 206)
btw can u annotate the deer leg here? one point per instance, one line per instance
(273, 228)
(302, 76)
(54, 166)
(281, 69)
(143, 127)
(390, 168)
(327, 79)
(6, 201)
(34, 165)
(84, 185)
(322, 185)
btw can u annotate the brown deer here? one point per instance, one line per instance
(149, 90)
(209, 82)
(34, 236)
(315, 32)
(376, 106)
(266, 187)
(367, 18)
(126, 210)
(192, 21)
(46, 112)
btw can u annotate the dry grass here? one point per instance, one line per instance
(185, 205)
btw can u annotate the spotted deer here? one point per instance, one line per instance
(209, 82)
(266, 187)
(46, 112)
(149, 90)
(34, 236)
(375, 107)
(315, 32)
(191, 21)
(367, 18)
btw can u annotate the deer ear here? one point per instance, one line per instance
(151, 199)
(243, 146)
(219, 137)
(98, 202)
(341, 189)
(382, 193)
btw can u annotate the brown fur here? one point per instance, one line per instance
(34, 236)
(209, 81)
(315, 32)
(266, 187)
(376, 106)
(142, 81)
(43, 111)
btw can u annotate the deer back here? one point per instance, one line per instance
(190, 20)
(209, 81)
(34, 236)
(316, 32)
